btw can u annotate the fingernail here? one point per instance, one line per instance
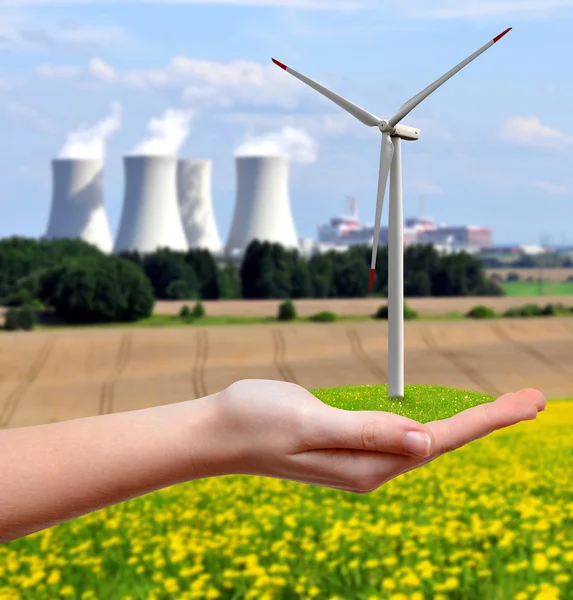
(417, 443)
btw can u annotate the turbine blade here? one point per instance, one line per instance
(359, 113)
(386, 154)
(408, 106)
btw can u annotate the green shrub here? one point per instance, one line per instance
(513, 276)
(409, 313)
(552, 310)
(531, 310)
(528, 310)
(199, 310)
(287, 311)
(324, 317)
(20, 319)
(102, 289)
(185, 313)
(481, 312)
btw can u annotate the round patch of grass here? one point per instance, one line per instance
(423, 403)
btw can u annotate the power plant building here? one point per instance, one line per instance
(150, 217)
(262, 204)
(196, 204)
(77, 209)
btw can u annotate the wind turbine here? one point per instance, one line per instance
(391, 163)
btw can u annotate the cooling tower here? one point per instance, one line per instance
(150, 217)
(262, 204)
(196, 205)
(77, 203)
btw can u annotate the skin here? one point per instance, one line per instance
(57, 472)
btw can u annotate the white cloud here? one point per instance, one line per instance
(89, 141)
(331, 124)
(19, 32)
(101, 70)
(550, 187)
(529, 131)
(201, 81)
(23, 111)
(289, 141)
(166, 134)
(62, 72)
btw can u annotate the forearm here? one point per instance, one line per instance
(52, 473)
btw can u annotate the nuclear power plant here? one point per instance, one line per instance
(262, 203)
(167, 203)
(196, 204)
(77, 209)
(150, 218)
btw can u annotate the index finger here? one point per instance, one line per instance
(479, 421)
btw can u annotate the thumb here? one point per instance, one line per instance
(373, 431)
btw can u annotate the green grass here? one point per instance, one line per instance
(423, 403)
(531, 288)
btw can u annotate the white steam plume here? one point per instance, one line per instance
(166, 133)
(295, 143)
(89, 142)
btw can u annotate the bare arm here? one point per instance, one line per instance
(52, 473)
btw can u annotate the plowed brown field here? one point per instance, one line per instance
(65, 374)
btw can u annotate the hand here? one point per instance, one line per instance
(277, 429)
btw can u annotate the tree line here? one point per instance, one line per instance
(82, 284)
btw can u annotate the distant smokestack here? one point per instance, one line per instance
(150, 218)
(262, 204)
(77, 203)
(196, 204)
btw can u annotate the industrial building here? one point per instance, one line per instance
(150, 218)
(262, 204)
(196, 204)
(348, 231)
(77, 209)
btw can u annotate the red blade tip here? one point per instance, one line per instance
(372, 272)
(280, 64)
(498, 37)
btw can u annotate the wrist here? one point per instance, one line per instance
(207, 440)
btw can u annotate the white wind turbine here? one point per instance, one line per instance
(391, 162)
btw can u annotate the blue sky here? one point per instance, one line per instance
(496, 140)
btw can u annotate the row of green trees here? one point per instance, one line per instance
(81, 284)
(270, 271)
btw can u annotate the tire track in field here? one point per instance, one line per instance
(201, 353)
(505, 337)
(108, 389)
(358, 351)
(11, 403)
(471, 373)
(279, 357)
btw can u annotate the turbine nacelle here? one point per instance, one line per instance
(409, 134)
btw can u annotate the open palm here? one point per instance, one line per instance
(278, 429)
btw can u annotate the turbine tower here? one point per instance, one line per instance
(391, 163)
(77, 208)
(150, 217)
(262, 204)
(196, 204)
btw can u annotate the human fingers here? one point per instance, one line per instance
(361, 472)
(326, 427)
(479, 421)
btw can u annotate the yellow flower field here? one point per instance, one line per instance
(490, 521)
